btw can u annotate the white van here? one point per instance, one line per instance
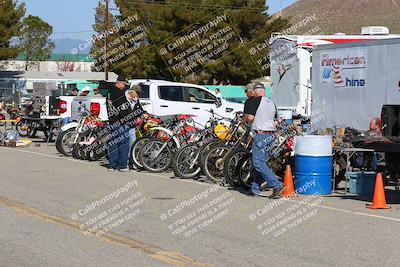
(164, 98)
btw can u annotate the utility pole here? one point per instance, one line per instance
(105, 40)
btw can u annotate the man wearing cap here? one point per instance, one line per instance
(85, 91)
(120, 116)
(75, 91)
(261, 112)
(96, 92)
(248, 89)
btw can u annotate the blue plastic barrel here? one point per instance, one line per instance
(313, 175)
(313, 165)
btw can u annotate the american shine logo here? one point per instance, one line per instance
(343, 71)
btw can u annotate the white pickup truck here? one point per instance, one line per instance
(163, 98)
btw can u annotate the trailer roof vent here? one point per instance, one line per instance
(374, 30)
(340, 34)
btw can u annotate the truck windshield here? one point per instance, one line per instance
(144, 91)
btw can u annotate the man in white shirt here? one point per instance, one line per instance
(261, 112)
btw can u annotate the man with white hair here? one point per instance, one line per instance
(132, 95)
(261, 112)
(118, 109)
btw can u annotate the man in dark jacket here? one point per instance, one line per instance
(121, 117)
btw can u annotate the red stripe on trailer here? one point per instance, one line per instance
(333, 41)
(341, 41)
(308, 45)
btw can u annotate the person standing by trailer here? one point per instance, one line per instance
(217, 92)
(75, 91)
(96, 92)
(120, 118)
(261, 112)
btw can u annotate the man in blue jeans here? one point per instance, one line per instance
(261, 112)
(121, 116)
(118, 148)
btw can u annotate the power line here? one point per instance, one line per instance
(105, 39)
(205, 6)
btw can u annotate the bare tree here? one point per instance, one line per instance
(66, 66)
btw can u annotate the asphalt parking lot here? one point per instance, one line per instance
(50, 205)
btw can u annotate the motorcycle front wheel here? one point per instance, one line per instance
(186, 164)
(136, 148)
(155, 156)
(64, 142)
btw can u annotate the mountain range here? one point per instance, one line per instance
(345, 16)
(66, 45)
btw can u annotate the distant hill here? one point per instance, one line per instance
(65, 46)
(347, 16)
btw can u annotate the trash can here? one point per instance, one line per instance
(313, 165)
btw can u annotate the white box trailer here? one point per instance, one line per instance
(351, 82)
(291, 65)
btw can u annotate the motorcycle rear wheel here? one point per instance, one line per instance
(231, 164)
(213, 163)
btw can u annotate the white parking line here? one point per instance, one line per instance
(345, 211)
(210, 185)
(43, 154)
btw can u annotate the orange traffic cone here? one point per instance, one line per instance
(288, 183)
(379, 201)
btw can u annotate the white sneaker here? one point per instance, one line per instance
(124, 170)
(111, 169)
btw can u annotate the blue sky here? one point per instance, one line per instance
(74, 18)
